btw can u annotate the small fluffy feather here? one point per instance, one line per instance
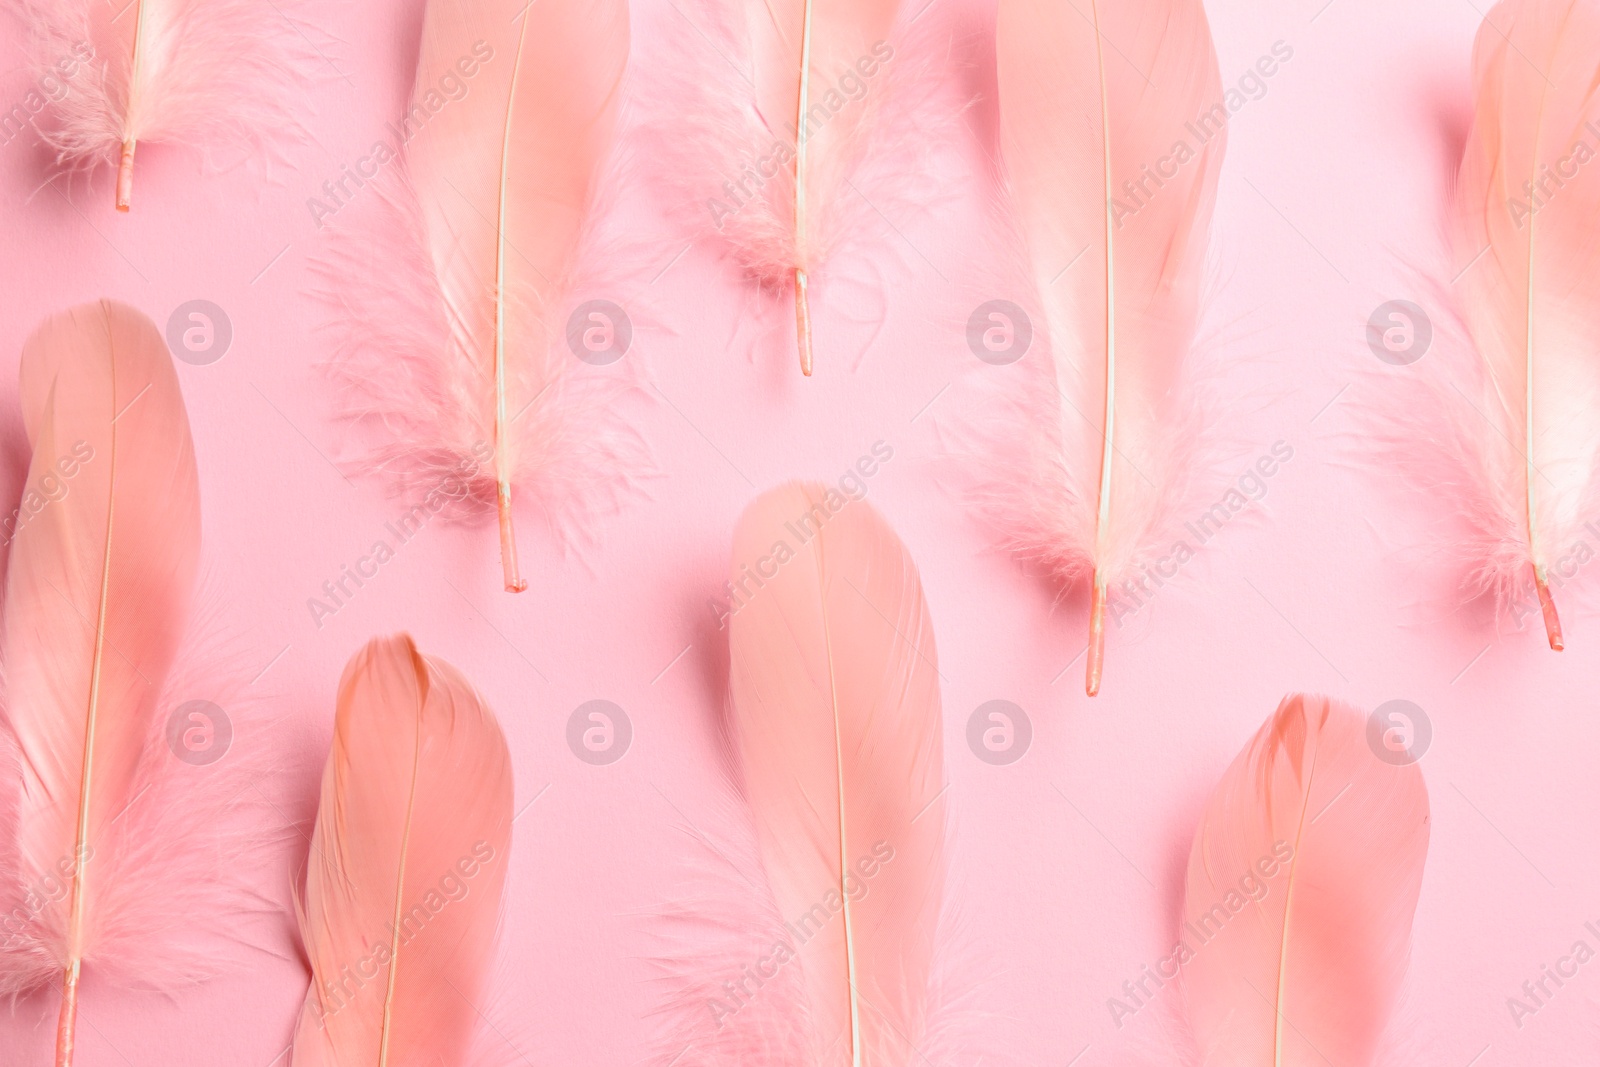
(216, 74)
(414, 296)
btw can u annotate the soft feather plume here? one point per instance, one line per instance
(98, 594)
(1526, 234)
(416, 803)
(1093, 99)
(835, 717)
(1307, 972)
(774, 146)
(213, 73)
(457, 351)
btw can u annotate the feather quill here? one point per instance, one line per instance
(1092, 98)
(1526, 233)
(835, 716)
(98, 593)
(470, 370)
(1333, 840)
(407, 866)
(213, 73)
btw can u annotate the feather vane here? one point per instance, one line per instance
(835, 712)
(407, 865)
(98, 594)
(1091, 99)
(1302, 884)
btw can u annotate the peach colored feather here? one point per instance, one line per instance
(504, 179)
(835, 715)
(98, 593)
(1527, 241)
(1093, 97)
(402, 903)
(214, 73)
(1302, 965)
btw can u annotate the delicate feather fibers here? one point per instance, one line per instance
(98, 593)
(729, 141)
(407, 866)
(1526, 236)
(836, 718)
(1092, 100)
(458, 354)
(1306, 971)
(212, 73)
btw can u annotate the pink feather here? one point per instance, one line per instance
(213, 73)
(1303, 881)
(782, 192)
(98, 593)
(1526, 422)
(458, 351)
(1091, 97)
(402, 903)
(835, 716)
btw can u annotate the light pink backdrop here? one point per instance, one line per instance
(1069, 863)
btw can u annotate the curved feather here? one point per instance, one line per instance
(504, 178)
(98, 592)
(1527, 232)
(835, 708)
(1303, 881)
(1093, 98)
(211, 72)
(408, 861)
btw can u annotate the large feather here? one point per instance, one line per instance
(1093, 98)
(464, 361)
(835, 708)
(213, 73)
(98, 592)
(408, 861)
(1303, 880)
(1527, 240)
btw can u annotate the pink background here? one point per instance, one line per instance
(1068, 865)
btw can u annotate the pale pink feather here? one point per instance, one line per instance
(1526, 236)
(402, 905)
(781, 191)
(458, 303)
(1303, 882)
(213, 73)
(836, 718)
(1093, 98)
(98, 593)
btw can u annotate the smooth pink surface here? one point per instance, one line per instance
(1069, 863)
